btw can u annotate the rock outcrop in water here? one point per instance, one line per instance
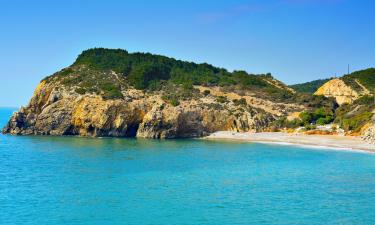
(96, 100)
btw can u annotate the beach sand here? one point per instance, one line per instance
(328, 141)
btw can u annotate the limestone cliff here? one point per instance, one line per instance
(337, 89)
(56, 110)
(350, 87)
(112, 93)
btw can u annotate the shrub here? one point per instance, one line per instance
(357, 122)
(110, 90)
(171, 99)
(240, 101)
(222, 99)
(283, 122)
(174, 102)
(206, 92)
(306, 117)
(364, 100)
(81, 91)
(143, 74)
(319, 116)
(66, 72)
(155, 85)
(144, 68)
(324, 120)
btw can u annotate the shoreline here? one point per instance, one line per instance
(333, 142)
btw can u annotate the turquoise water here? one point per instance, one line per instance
(69, 180)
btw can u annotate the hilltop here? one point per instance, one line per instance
(350, 87)
(109, 71)
(309, 87)
(345, 89)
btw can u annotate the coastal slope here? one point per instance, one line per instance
(113, 93)
(350, 87)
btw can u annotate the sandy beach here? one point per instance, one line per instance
(328, 141)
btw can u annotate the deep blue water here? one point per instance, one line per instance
(71, 180)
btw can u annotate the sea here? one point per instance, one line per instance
(76, 180)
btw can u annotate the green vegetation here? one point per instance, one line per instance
(206, 92)
(319, 116)
(171, 99)
(221, 99)
(111, 90)
(364, 77)
(309, 87)
(352, 117)
(173, 94)
(307, 119)
(109, 72)
(90, 81)
(313, 101)
(144, 71)
(241, 101)
(283, 122)
(66, 72)
(144, 74)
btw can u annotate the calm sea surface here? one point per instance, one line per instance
(71, 180)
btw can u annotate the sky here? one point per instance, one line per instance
(295, 40)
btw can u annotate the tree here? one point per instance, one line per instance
(141, 76)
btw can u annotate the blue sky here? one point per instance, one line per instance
(295, 40)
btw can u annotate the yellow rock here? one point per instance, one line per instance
(337, 89)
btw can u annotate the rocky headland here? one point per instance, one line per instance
(91, 99)
(113, 93)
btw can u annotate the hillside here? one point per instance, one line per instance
(145, 71)
(362, 81)
(309, 87)
(353, 93)
(114, 93)
(349, 87)
(111, 92)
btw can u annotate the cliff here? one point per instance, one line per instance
(112, 93)
(350, 87)
(337, 89)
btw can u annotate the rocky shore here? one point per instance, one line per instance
(114, 93)
(54, 110)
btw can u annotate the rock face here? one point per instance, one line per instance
(114, 93)
(57, 110)
(342, 92)
(368, 131)
(369, 135)
(339, 90)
